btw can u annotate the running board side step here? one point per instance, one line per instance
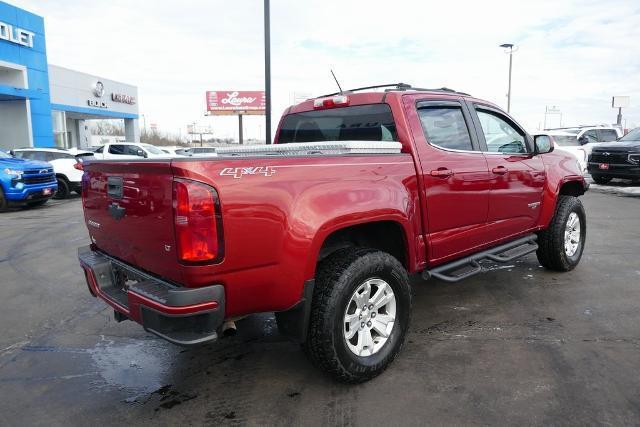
(470, 266)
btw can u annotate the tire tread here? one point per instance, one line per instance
(319, 344)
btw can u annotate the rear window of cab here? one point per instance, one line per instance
(372, 122)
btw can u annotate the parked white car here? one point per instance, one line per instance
(568, 142)
(590, 136)
(67, 165)
(129, 150)
(580, 140)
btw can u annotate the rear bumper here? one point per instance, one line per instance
(179, 315)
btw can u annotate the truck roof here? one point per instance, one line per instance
(369, 95)
(396, 87)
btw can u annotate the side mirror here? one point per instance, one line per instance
(140, 152)
(542, 144)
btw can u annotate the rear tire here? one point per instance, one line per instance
(63, 189)
(602, 180)
(561, 245)
(359, 314)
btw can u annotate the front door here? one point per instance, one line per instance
(518, 176)
(455, 178)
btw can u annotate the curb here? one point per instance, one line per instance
(620, 191)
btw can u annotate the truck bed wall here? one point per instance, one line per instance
(277, 213)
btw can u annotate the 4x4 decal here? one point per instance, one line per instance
(238, 173)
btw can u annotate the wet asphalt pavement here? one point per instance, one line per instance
(518, 345)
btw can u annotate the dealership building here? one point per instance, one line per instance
(43, 105)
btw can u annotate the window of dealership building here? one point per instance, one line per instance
(43, 105)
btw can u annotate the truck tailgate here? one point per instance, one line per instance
(129, 213)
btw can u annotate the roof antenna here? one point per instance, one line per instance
(334, 78)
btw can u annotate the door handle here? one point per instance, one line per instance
(442, 173)
(500, 170)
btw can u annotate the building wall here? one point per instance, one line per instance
(74, 91)
(34, 59)
(12, 75)
(14, 124)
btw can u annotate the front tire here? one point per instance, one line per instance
(359, 315)
(63, 189)
(4, 204)
(602, 180)
(561, 245)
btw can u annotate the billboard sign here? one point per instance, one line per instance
(236, 102)
(621, 101)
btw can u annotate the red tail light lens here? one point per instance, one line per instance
(198, 226)
(78, 166)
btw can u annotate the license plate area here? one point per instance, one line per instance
(115, 287)
(120, 278)
(46, 192)
(603, 166)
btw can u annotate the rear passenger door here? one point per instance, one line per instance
(517, 175)
(455, 178)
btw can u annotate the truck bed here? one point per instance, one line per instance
(274, 211)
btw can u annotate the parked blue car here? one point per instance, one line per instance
(25, 182)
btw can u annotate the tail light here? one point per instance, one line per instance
(330, 102)
(78, 165)
(198, 222)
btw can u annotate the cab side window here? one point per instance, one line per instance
(607, 135)
(116, 149)
(591, 136)
(49, 156)
(445, 127)
(35, 155)
(131, 150)
(500, 135)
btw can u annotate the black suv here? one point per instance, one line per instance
(620, 159)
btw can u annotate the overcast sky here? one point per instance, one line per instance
(572, 54)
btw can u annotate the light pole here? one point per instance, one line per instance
(267, 71)
(510, 47)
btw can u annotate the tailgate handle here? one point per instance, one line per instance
(114, 187)
(116, 211)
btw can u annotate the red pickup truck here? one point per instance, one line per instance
(360, 189)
